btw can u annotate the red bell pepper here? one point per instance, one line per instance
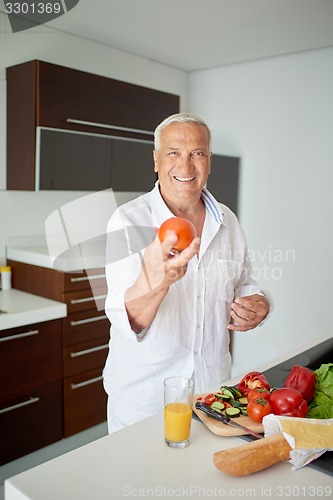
(303, 380)
(253, 380)
(288, 402)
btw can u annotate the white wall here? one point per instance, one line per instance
(276, 114)
(24, 213)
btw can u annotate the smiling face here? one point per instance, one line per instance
(182, 162)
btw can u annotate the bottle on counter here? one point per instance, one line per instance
(6, 277)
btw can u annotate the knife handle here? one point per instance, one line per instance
(211, 413)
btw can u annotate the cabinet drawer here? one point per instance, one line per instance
(30, 421)
(84, 326)
(84, 280)
(30, 356)
(84, 402)
(90, 355)
(85, 300)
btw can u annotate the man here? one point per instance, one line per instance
(170, 314)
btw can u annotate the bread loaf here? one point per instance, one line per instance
(253, 456)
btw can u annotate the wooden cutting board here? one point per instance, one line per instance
(221, 429)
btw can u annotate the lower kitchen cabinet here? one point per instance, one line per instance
(31, 403)
(84, 339)
(84, 395)
(84, 401)
(31, 420)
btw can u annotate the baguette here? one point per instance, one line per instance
(253, 456)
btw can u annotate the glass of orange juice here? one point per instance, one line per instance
(178, 398)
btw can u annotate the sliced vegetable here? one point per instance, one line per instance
(243, 401)
(226, 391)
(232, 412)
(288, 402)
(217, 405)
(303, 380)
(237, 393)
(253, 380)
(209, 399)
(222, 397)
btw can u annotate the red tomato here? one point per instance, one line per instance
(258, 392)
(183, 228)
(258, 408)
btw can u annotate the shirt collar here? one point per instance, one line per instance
(162, 212)
(212, 206)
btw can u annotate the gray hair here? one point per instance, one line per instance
(178, 118)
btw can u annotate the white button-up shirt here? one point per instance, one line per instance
(189, 335)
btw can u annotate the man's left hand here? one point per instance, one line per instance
(248, 312)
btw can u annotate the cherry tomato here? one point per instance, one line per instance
(258, 408)
(183, 228)
(258, 392)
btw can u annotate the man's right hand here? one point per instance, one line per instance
(161, 266)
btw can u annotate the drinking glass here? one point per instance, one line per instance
(178, 399)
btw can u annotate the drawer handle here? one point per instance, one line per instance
(106, 125)
(87, 299)
(19, 335)
(88, 320)
(89, 351)
(20, 405)
(86, 278)
(86, 382)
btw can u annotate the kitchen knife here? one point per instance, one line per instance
(226, 420)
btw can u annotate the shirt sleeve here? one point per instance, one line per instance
(122, 268)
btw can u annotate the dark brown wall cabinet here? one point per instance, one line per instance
(89, 132)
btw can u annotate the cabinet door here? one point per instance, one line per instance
(30, 420)
(84, 300)
(82, 280)
(84, 326)
(84, 402)
(30, 356)
(85, 356)
(80, 161)
(41, 94)
(67, 93)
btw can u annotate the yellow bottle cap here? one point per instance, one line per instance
(5, 269)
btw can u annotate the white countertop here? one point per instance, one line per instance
(89, 254)
(23, 308)
(135, 462)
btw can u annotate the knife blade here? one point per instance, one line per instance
(225, 420)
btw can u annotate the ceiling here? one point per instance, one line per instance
(197, 34)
